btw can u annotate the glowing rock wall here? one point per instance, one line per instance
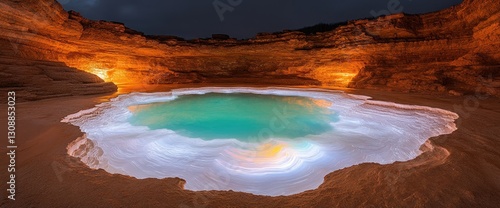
(453, 50)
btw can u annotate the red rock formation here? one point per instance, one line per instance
(32, 38)
(34, 80)
(452, 50)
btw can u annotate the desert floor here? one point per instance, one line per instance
(457, 170)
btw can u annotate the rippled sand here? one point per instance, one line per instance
(461, 169)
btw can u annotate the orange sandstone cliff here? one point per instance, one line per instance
(450, 51)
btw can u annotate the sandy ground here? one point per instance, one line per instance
(457, 170)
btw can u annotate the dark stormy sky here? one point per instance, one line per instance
(239, 18)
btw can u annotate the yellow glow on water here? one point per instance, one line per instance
(263, 155)
(269, 150)
(322, 103)
(311, 103)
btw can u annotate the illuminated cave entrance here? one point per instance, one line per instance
(267, 141)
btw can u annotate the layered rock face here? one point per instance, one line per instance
(35, 80)
(31, 39)
(453, 50)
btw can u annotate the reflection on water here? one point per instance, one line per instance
(279, 149)
(242, 116)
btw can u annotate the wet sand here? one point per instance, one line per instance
(457, 170)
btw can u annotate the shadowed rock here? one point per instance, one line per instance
(453, 50)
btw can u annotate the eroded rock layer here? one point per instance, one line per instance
(450, 51)
(35, 80)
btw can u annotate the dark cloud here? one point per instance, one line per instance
(195, 18)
